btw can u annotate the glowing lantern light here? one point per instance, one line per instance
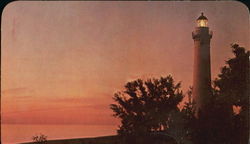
(202, 21)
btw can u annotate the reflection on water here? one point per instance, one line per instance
(16, 133)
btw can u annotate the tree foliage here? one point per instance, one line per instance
(145, 106)
(231, 88)
(233, 81)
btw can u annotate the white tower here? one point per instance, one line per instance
(202, 68)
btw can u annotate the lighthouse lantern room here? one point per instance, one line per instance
(202, 21)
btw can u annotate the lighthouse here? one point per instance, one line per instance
(202, 67)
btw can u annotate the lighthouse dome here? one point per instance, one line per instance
(202, 17)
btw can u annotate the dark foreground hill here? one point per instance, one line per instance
(100, 140)
(97, 140)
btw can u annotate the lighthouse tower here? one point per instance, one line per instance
(202, 68)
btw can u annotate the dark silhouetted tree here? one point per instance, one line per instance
(231, 88)
(145, 107)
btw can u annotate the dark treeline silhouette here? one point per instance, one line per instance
(149, 111)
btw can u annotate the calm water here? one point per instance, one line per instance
(23, 133)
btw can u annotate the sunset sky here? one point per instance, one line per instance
(63, 61)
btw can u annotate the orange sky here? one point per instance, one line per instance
(62, 61)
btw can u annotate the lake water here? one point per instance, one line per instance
(16, 133)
